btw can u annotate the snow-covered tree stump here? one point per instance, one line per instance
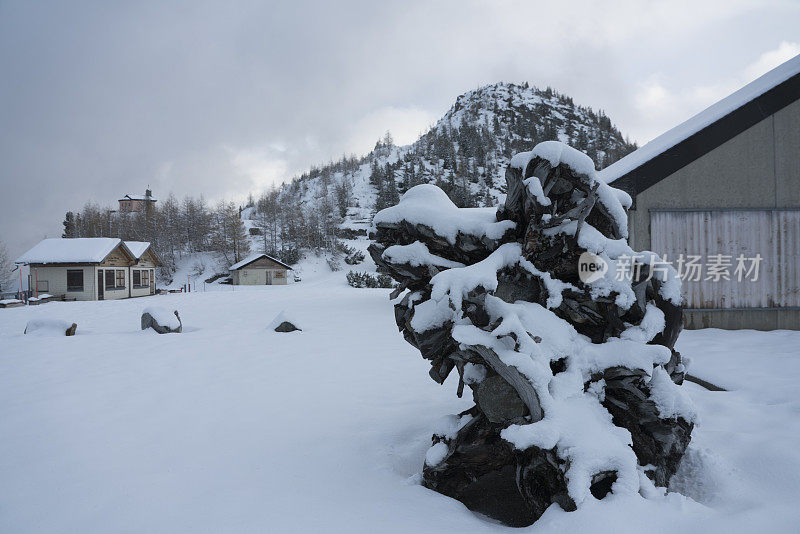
(575, 378)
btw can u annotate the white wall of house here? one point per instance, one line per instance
(52, 279)
(115, 292)
(279, 277)
(141, 289)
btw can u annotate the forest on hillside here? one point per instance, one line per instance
(465, 154)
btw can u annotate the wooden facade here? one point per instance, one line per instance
(261, 270)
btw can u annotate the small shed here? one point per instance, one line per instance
(719, 197)
(259, 270)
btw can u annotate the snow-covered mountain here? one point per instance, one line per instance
(464, 153)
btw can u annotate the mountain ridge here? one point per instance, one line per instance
(465, 153)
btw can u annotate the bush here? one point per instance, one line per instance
(216, 277)
(350, 233)
(371, 280)
(351, 255)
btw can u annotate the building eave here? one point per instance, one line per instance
(666, 163)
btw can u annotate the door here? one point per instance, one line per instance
(100, 284)
(268, 277)
(152, 281)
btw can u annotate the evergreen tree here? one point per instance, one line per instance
(387, 194)
(69, 225)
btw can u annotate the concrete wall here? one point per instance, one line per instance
(759, 168)
(56, 277)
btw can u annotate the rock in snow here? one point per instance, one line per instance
(282, 323)
(579, 390)
(161, 320)
(50, 327)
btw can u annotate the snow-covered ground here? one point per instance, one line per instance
(229, 427)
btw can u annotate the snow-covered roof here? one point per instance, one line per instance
(138, 197)
(253, 257)
(137, 248)
(705, 118)
(75, 250)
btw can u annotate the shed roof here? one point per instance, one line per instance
(707, 130)
(73, 250)
(254, 257)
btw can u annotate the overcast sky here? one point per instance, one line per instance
(99, 99)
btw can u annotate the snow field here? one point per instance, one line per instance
(229, 427)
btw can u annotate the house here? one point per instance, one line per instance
(720, 193)
(135, 203)
(96, 268)
(259, 270)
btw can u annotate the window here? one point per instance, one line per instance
(120, 279)
(74, 279)
(137, 278)
(109, 274)
(145, 278)
(280, 274)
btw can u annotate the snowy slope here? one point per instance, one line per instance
(469, 147)
(231, 428)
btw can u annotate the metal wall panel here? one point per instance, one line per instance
(772, 234)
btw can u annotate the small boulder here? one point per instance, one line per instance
(50, 327)
(281, 323)
(161, 320)
(286, 326)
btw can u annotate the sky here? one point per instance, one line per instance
(100, 99)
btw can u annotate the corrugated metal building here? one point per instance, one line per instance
(720, 194)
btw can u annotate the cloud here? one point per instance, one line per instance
(769, 60)
(659, 104)
(263, 166)
(405, 123)
(98, 99)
